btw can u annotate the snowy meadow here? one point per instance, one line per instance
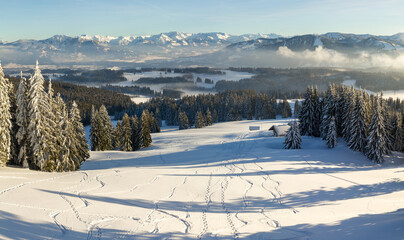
(219, 182)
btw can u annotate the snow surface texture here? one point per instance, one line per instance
(218, 182)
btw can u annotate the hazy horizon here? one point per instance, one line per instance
(125, 18)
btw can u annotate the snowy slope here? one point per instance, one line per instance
(219, 182)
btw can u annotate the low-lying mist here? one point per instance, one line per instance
(281, 58)
(320, 57)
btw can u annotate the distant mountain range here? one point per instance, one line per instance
(181, 48)
(347, 43)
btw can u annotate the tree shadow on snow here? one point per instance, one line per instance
(14, 227)
(316, 157)
(255, 204)
(368, 226)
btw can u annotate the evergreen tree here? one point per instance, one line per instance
(317, 112)
(102, 131)
(199, 121)
(5, 120)
(183, 122)
(396, 132)
(68, 159)
(94, 130)
(347, 113)
(117, 135)
(215, 116)
(293, 140)
(153, 125)
(376, 142)
(136, 135)
(332, 133)
(60, 152)
(145, 136)
(208, 118)
(329, 111)
(39, 126)
(125, 134)
(14, 127)
(389, 125)
(158, 118)
(79, 148)
(22, 119)
(106, 129)
(297, 108)
(308, 114)
(358, 127)
(286, 110)
(342, 98)
(285, 113)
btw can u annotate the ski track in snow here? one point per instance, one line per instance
(34, 182)
(205, 226)
(149, 217)
(236, 192)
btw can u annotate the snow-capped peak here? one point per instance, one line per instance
(334, 36)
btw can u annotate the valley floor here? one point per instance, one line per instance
(219, 182)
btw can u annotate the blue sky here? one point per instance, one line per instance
(39, 19)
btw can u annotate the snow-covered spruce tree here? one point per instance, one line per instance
(293, 140)
(136, 135)
(396, 132)
(125, 134)
(208, 117)
(58, 151)
(79, 148)
(94, 130)
(331, 137)
(117, 135)
(318, 104)
(14, 127)
(368, 106)
(158, 117)
(5, 119)
(22, 118)
(329, 110)
(199, 121)
(145, 136)
(39, 128)
(376, 142)
(154, 127)
(65, 139)
(183, 122)
(106, 130)
(358, 134)
(388, 123)
(342, 97)
(307, 114)
(347, 113)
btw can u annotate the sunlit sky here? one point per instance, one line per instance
(40, 19)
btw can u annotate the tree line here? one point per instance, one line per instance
(369, 124)
(86, 97)
(38, 129)
(224, 106)
(130, 134)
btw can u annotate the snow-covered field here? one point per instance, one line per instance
(219, 182)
